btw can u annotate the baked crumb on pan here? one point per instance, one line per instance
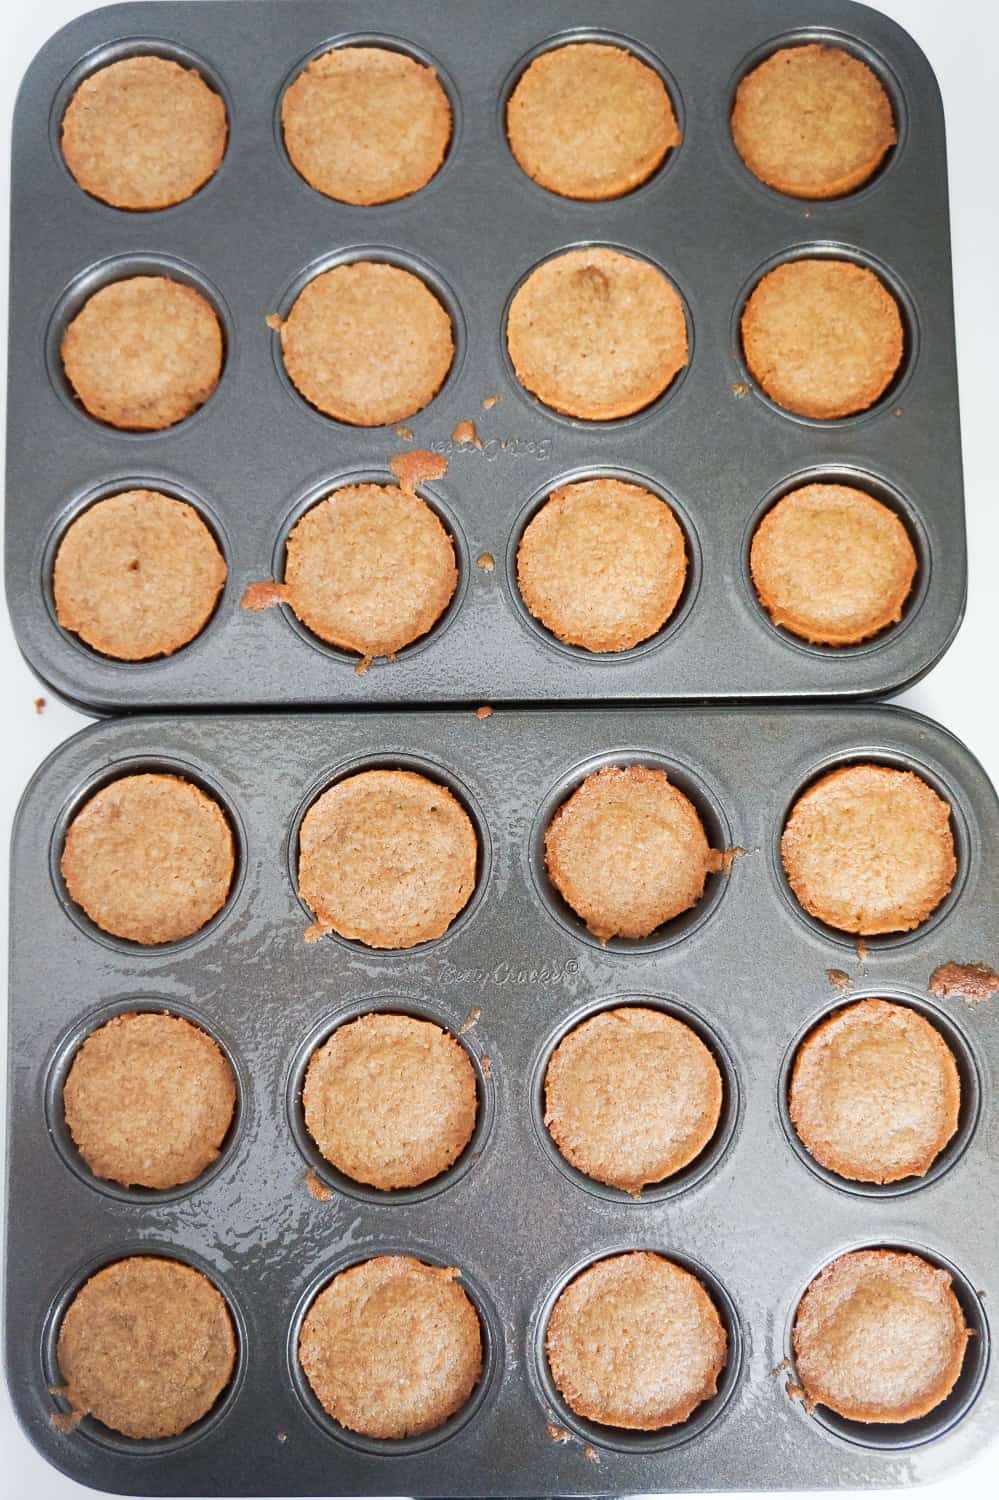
(590, 121)
(392, 1347)
(869, 849)
(879, 1336)
(636, 1342)
(597, 334)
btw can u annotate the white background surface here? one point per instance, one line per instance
(961, 39)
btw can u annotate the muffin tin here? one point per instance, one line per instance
(752, 1217)
(256, 453)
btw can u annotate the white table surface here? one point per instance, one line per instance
(961, 40)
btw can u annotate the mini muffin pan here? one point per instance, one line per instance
(713, 445)
(753, 1217)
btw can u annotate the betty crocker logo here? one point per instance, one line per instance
(508, 974)
(492, 449)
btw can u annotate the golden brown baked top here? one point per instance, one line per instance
(147, 1346)
(149, 858)
(875, 1092)
(148, 1100)
(392, 1347)
(143, 133)
(832, 564)
(879, 1336)
(367, 343)
(628, 851)
(869, 849)
(632, 1095)
(635, 1341)
(366, 125)
(590, 121)
(596, 334)
(390, 1100)
(143, 353)
(602, 564)
(387, 858)
(812, 121)
(370, 569)
(137, 575)
(823, 337)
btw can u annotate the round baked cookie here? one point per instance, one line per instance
(596, 334)
(147, 1347)
(632, 1096)
(879, 1336)
(590, 121)
(628, 852)
(602, 564)
(367, 343)
(366, 125)
(812, 121)
(370, 569)
(635, 1341)
(823, 338)
(137, 575)
(875, 1093)
(143, 353)
(390, 1100)
(868, 849)
(387, 858)
(148, 1100)
(144, 133)
(392, 1347)
(149, 858)
(832, 565)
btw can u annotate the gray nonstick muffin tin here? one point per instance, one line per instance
(752, 1217)
(256, 453)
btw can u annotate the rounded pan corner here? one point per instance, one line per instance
(50, 1445)
(56, 51)
(905, 42)
(922, 669)
(39, 774)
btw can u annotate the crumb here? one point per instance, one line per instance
(66, 1421)
(314, 932)
(263, 595)
(780, 1369)
(465, 432)
(487, 1067)
(740, 389)
(483, 713)
(591, 1453)
(488, 402)
(317, 1188)
(39, 705)
(415, 468)
(470, 1019)
(485, 561)
(727, 858)
(559, 1434)
(839, 979)
(899, 411)
(364, 665)
(971, 982)
(282, 1436)
(861, 951)
(274, 322)
(793, 1390)
(406, 433)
